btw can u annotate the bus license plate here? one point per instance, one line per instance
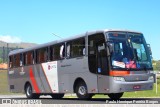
(136, 87)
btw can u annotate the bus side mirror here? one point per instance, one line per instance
(149, 49)
(111, 47)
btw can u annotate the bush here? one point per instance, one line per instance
(158, 80)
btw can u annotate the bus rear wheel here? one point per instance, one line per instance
(115, 96)
(57, 96)
(29, 93)
(82, 92)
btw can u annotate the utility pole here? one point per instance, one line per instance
(7, 52)
(3, 54)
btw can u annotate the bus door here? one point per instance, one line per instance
(102, 68)
(98, 61)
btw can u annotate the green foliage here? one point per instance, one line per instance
(156, 65)
(1, 61)
(4, 82)
(158, 80)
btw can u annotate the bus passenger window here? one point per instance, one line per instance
(76, 48)
(10, 61)
(28, 58)
(17, 60)
(41, 55)
(33, 59)
(57, 52)
(62, 53)
(20, 61)
(24, 58)
(68, 50)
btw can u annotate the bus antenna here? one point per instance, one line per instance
(57, 35)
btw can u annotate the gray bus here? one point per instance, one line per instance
(108, 62)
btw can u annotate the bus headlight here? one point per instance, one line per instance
(151, 78)
(119, 79)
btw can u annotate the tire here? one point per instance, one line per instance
(57, 96)
(82, 92)
(115, 96)
(29, 93)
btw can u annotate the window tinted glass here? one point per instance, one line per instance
(28, 58)
(76, 48)
(57, 52)
(41, 55)
(11, 61)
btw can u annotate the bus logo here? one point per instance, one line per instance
(49, 67)
(137, 78)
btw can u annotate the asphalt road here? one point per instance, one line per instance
(48, 100)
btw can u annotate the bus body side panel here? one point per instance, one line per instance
(34, 74)
(51, 74)
(71, 69)
(15, 80)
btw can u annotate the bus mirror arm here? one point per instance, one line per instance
(149, 49)
(110, 47)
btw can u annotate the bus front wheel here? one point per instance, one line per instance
(115, 96)
(82, 92)
(29, 93)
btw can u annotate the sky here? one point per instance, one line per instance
(35, 21)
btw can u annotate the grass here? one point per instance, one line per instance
(140, 94)
(4, 82)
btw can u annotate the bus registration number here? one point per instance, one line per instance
(136, 87)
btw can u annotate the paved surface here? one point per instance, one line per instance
(49, 100)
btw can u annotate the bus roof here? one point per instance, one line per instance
(67, 39)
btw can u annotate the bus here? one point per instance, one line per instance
(108, 62)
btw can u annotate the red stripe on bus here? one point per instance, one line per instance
(119, 73)
(46, 78)
(33, 80)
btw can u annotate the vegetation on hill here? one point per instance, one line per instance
(156, 65)
(5, 48)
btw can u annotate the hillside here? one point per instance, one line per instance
(17, 45)
(4, 50)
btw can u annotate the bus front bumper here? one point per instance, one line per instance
(119, 86)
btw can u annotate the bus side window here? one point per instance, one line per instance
(32, 57)
(17, 60)
(57, 52)
(76, 48)
(20, 61)
(41, 55)
(62, 51)
(24, 58)
(28, 58)
(51, 52)
(10, 61)
(68, 50)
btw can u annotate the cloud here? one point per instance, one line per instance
(10, 39)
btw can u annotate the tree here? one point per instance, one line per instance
(156, 65)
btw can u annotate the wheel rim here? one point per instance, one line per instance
(82, 90)
(29, 91)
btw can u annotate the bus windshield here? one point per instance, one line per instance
(130, 51)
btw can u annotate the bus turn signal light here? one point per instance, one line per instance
(119, 73)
